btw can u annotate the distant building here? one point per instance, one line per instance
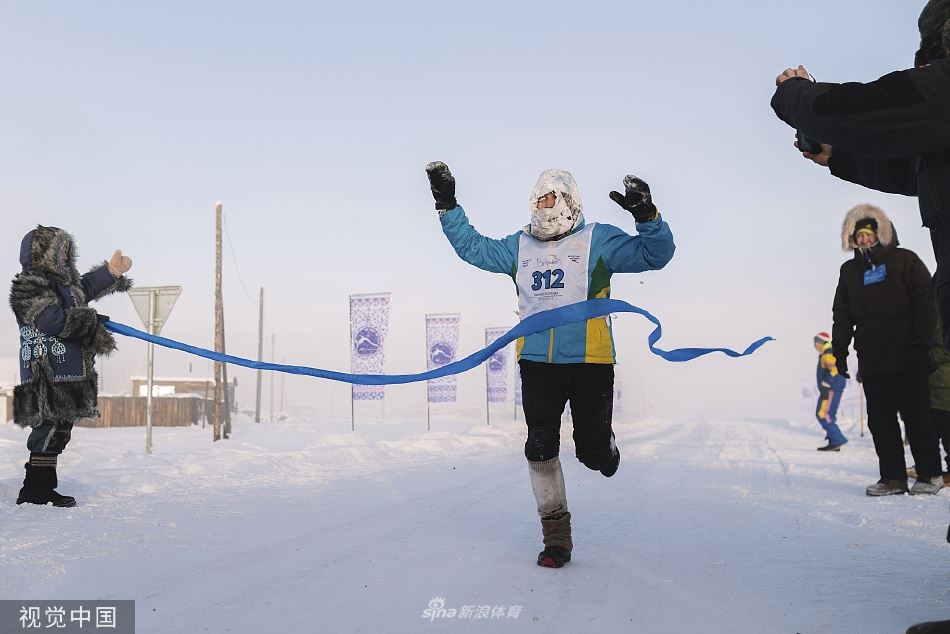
(176, 402)
(172, 386)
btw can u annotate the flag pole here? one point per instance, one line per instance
(352, 407)
(487, 383)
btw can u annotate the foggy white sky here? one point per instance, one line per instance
(124, 124)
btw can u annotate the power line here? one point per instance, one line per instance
(237, 269)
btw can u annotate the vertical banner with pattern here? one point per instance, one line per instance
(369, 325)
(442, 341)
(497, 367)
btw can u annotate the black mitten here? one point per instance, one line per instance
(636, 200)
(442, 184)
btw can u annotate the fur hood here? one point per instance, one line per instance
(50, 250)
(885, 228)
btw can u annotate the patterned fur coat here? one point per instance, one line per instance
(60, 335)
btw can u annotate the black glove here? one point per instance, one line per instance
(442, 184)
(842, 366)
(637, 199)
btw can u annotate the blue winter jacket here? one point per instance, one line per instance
(611, 251)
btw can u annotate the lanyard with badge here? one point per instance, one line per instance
(876, 274)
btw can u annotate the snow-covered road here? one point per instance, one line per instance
(303, 526)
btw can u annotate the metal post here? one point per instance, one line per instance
(260, 357)
(352, 400)
(152, 300)
(487, 400)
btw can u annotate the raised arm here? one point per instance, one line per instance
(497, 256)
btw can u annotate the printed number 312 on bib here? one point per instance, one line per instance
(545, 279)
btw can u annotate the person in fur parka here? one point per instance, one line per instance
(60, 336)
(885, 302)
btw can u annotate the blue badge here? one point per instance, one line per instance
(875, 275)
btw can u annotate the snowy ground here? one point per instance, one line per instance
(303, 526)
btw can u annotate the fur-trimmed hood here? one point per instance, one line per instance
(886, 233)
(50, 250)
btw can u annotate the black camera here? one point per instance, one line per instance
(806, 144)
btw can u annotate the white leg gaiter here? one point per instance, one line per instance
(547, 482)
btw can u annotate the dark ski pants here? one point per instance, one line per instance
(547, 387)
(942, 428)
(51, 437)
(909, 394)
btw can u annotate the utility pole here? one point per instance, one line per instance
(218, 321)
(260, 356)
(273, 359)
(227, 389)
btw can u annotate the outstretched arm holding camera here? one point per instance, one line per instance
(901, 115)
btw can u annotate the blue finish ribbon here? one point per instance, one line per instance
(581, 311)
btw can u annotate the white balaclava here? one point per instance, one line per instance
(560, 219)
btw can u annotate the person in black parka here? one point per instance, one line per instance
(891, 134)
(884, 301)
(60, 335)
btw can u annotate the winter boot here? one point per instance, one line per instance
(557, 541)
(927, 486)
(887, 487)
(40, 482)
(830, 447)
(547, 482)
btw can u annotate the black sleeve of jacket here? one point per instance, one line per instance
(894, 176)
(922, 300)
(901, 115)
(842, 329)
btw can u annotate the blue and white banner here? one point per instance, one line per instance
(442, 342)
(369, 325)
(497, 371)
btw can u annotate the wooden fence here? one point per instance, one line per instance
(129, 411)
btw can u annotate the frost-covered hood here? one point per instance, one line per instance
(560, 220)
